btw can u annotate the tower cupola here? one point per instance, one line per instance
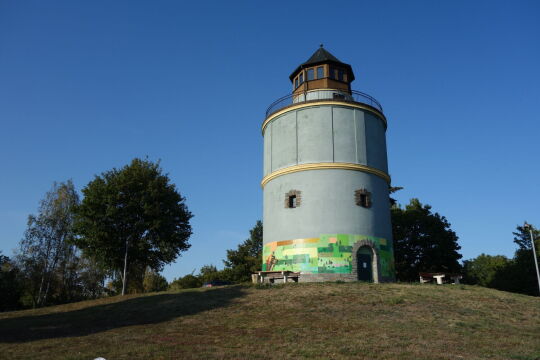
(322, 71)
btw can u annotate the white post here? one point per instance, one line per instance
(125, 267)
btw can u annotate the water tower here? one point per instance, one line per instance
(326, 204)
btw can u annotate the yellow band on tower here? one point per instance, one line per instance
(325, 166)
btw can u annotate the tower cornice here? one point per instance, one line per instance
(325, 166)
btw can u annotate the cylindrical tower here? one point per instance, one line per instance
(326, 204)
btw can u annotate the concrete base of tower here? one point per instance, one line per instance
(326, 277)
(335, 277)
(305, 278)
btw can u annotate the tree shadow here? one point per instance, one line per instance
(137, 311)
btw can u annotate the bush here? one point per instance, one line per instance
(153, 281)
(187, 282)
(483, 269)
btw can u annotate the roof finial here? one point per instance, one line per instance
(321, 45)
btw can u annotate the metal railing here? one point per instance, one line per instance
(324, 94)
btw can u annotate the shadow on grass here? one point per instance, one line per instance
(137, 311)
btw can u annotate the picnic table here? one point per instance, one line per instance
(440, 278)
(271, 276)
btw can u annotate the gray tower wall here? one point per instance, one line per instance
(328, 220)
(327, 205)
(325, 134)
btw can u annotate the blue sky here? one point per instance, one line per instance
(87, 86)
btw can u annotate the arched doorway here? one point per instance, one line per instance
(364, 266)
(365, 261)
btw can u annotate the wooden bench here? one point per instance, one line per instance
(440, 278)
(271, 276)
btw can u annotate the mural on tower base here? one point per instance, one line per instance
(327, 254)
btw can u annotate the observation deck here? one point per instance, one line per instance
(345, 96)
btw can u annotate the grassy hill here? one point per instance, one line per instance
(312, 321)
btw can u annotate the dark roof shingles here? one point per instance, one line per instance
(321, 55)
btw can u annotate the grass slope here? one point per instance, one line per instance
(313, 321)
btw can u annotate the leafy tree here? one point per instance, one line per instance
(483, 270)
(133, 218)
(423, 242)
(210, 273)
(515, 275)
(247, 258)
(520, 276)
(522, 238)
(9, 285)
(186, 282)
(46, 254)
(154, 281)
(91, 278)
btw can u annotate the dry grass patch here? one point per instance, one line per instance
(312, 321)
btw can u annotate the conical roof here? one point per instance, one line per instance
(321, 56)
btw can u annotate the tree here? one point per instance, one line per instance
(91, 278)
(210, 273)
(515, 275)
(247, 258)
(522, 238)
(131, 219)
(483, 270)
(46, 254)
(521, 275)
(186, 282)
(423, 242)
(9, 285)
(154, 281)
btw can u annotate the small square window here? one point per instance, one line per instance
(310, 74)
(320, 72)
(292, 201)
(362, 198)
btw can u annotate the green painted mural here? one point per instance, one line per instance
(327, 254)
